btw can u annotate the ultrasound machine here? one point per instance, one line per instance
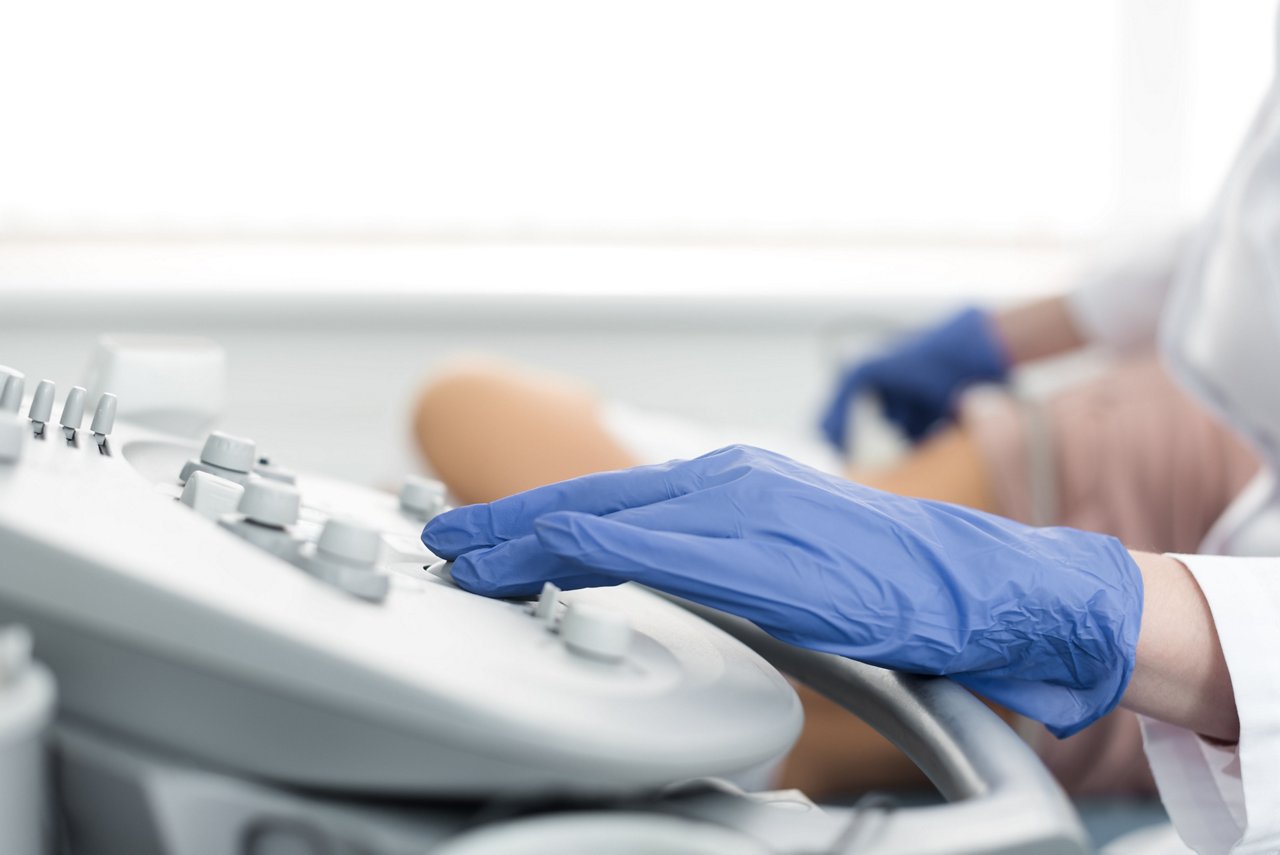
(204, 652)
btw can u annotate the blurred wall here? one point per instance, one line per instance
(329, 386)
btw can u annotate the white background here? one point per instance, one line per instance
(675, 200)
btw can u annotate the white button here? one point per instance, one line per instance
(13, 432)
(42, 402)
(211, 496)
(228, 452)
(270, 503)
(73, 409)
(545, 610)
(595, 632)
(349, 541)
(11, 390)
(104, 416)
(422, 497)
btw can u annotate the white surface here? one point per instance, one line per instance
(616, 833)
(246, 282)
(169, 382)
(767, 115)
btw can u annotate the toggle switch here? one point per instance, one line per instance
(41, 406)
(224, 455)
(422, 497)
(595, 632)
(545, 609)
(211, 496)
(104, 418)
(73, 412)
(11, 390)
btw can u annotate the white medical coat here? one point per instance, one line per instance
(1213, 300)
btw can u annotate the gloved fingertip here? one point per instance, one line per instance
(445, 538)
(464, 575)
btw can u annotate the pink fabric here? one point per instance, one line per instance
(1132, 456)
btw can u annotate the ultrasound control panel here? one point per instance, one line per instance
(205, 599)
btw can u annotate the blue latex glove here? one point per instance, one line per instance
(918, 379)
(1044, 621)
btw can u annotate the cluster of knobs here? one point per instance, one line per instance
(13, 429)
(231, 484)
(258, 501)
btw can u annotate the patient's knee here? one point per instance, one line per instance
(459, 398)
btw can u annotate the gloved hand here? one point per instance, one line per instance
(1044, 621)
(918, 379)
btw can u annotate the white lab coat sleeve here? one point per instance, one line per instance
(1227, 798)
(1118, 304)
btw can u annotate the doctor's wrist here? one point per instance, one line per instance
(1180, 675)
(1037, 330)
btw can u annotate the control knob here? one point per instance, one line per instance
(422, 497)
(346, 557)
(595, 632)
(224, 455)
(270, 503)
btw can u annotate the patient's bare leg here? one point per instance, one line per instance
(490, 429)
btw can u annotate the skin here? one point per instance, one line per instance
(490, 429)
(1181, 674)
